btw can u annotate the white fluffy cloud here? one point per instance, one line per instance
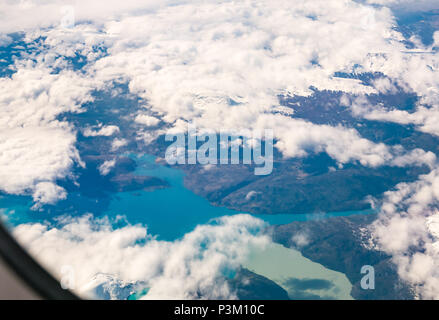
(118, 143)
(4, 40)
(408, 230)
(35, 96)
(223, 64)
(424, 118)
(184, 269)
(32, 155)
(35, 147)
(106, 167)
(105, 131)
(345, 145)
(48, 192)
(146, 120)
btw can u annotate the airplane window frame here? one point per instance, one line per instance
(36, 277)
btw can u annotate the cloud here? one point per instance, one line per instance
(300, 239)
(190, 268)
(223, 65)
(299, 137)
(106, 167)
(408, 230)
(31, 155)
(105, 131)
(36, 148)
(118, 143)
(48, 192)
(4, 40)
(35, 96)
(424, 118)
(146, 120)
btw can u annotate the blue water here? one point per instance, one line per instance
(16, 209)
(174, 211)
(168, 213)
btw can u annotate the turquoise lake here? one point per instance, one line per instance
(172, 212)
(169, 213)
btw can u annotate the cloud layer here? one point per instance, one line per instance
(222, 64)
(36, 148)
(219, 64)
(408, 229)
(191, 268)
